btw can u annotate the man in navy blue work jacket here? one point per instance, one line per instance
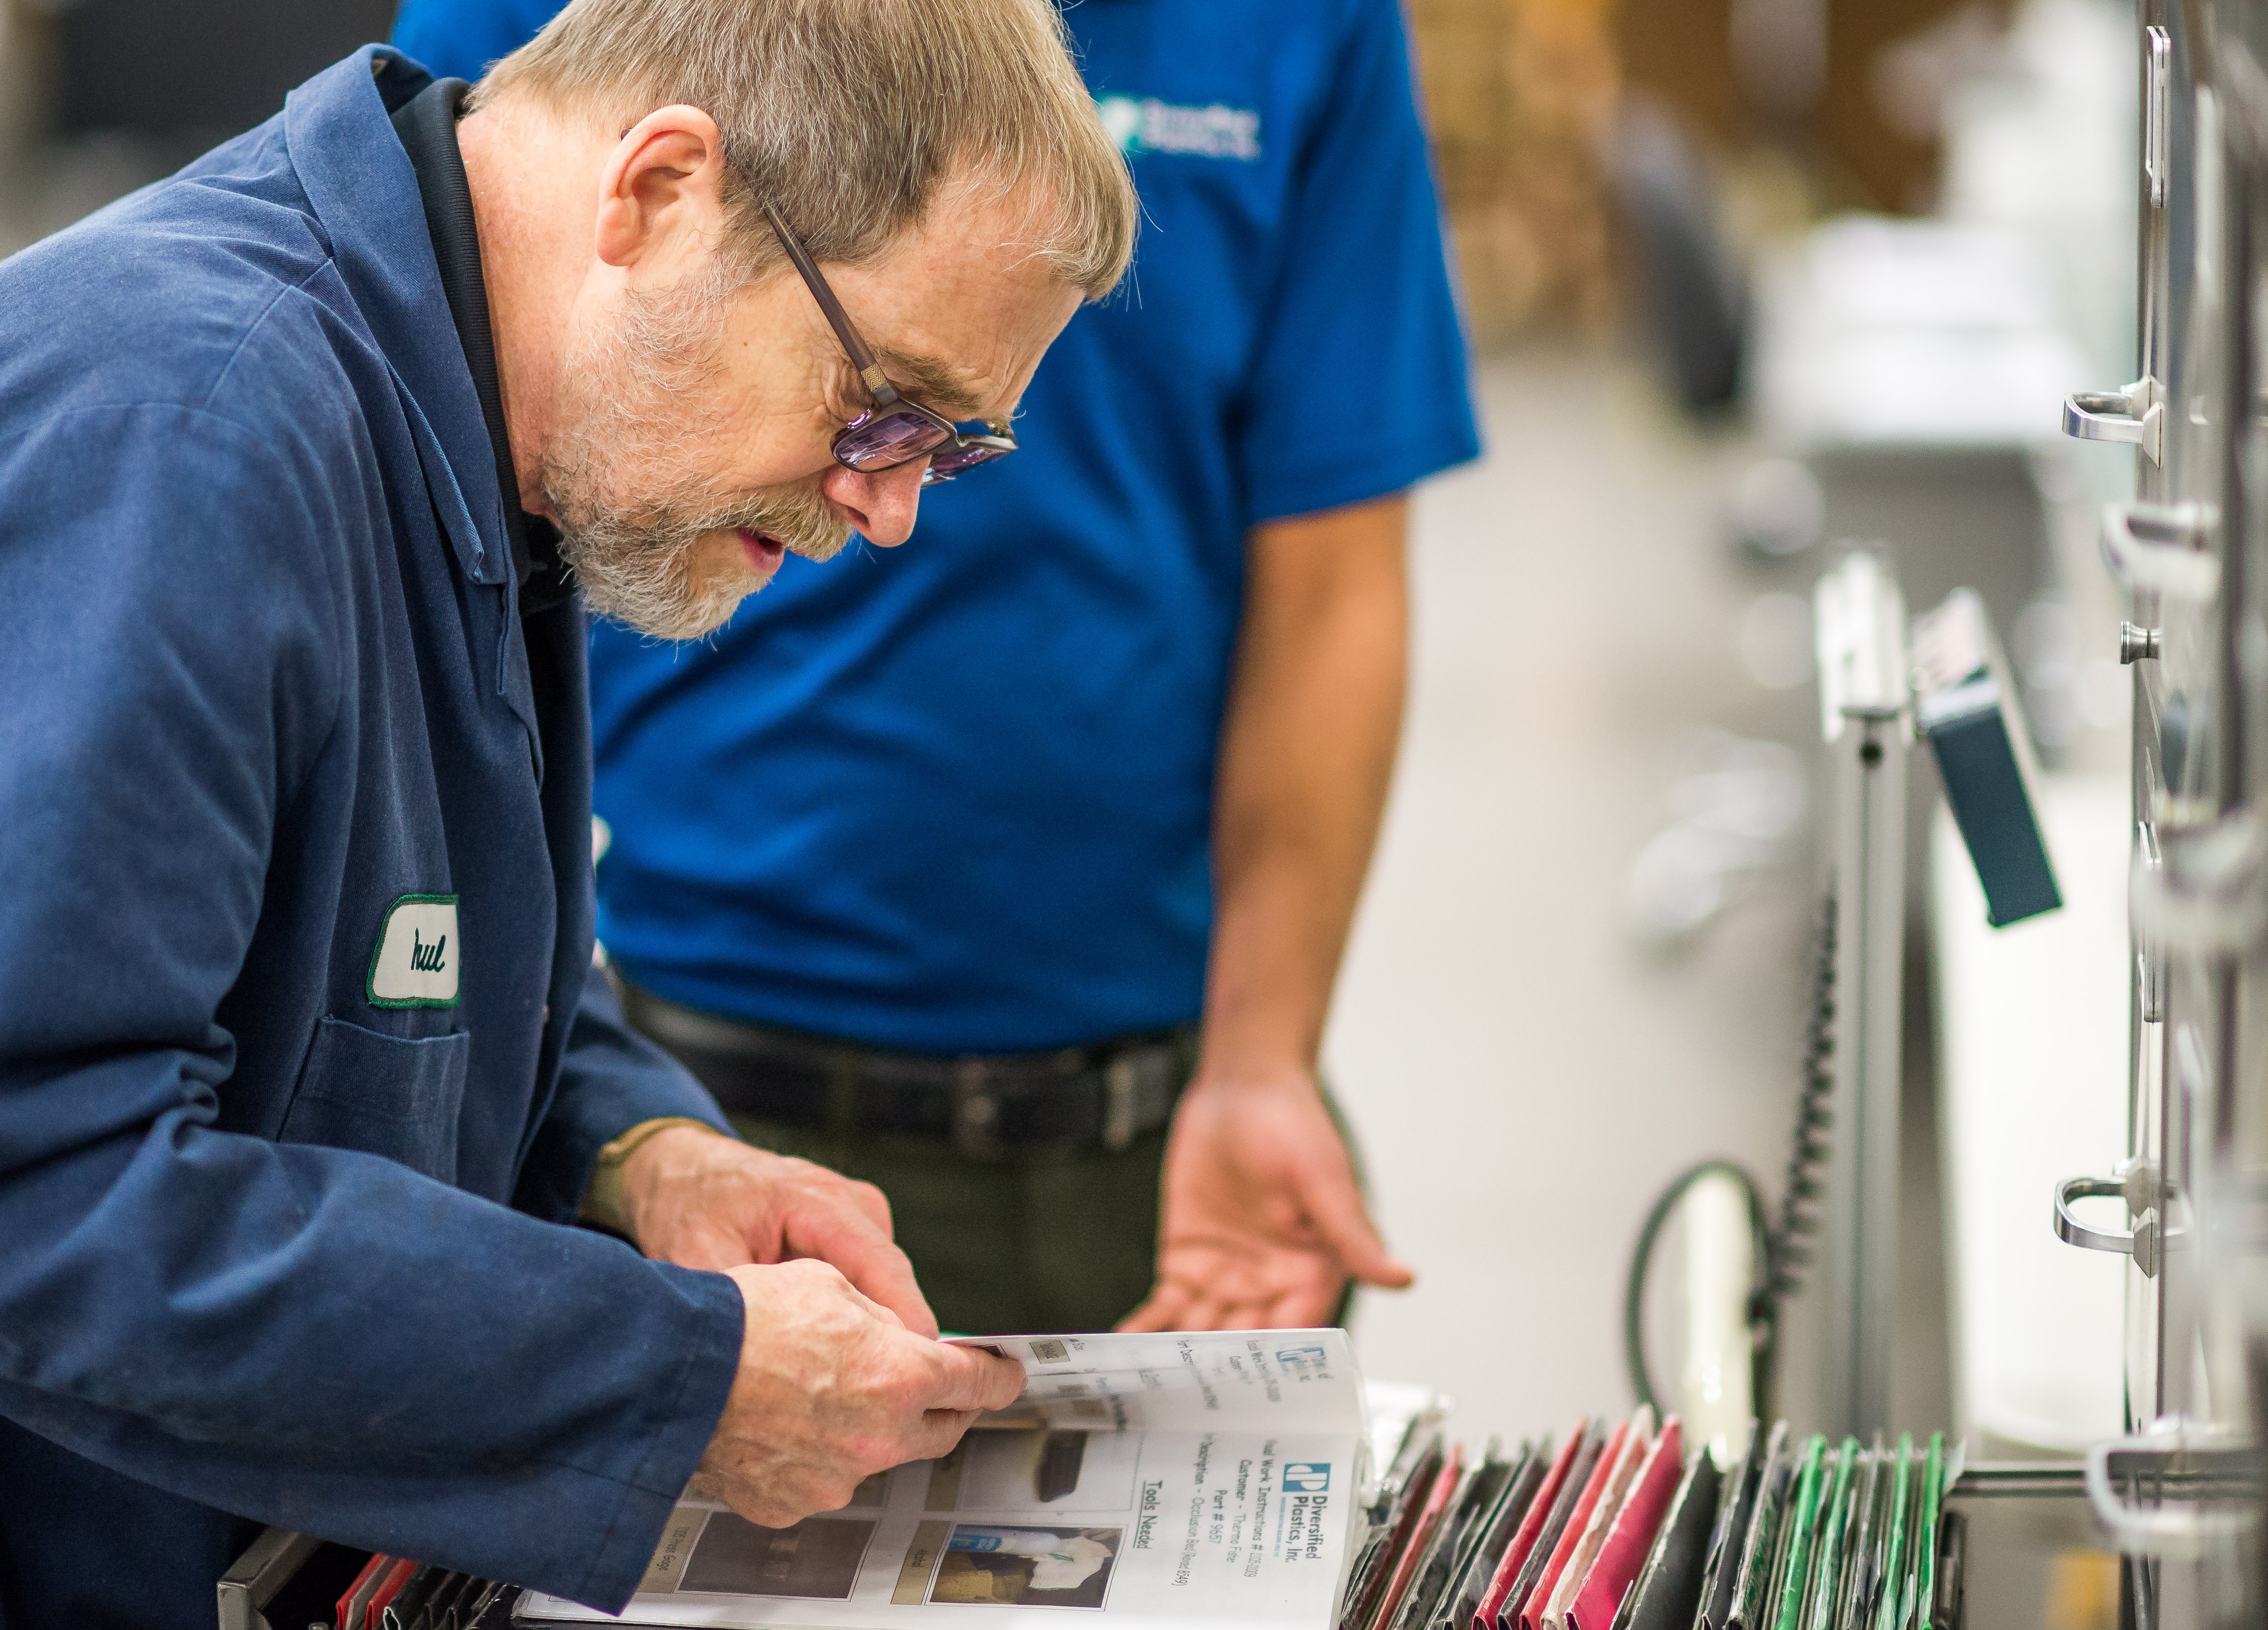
(931, 864)
(305, 1073)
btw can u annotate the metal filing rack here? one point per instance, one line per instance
(2180, 1494)
(1865, 701)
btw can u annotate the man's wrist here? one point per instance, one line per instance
(603, 1199)
(1234, 1075)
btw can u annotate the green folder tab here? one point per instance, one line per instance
(1804, 1520)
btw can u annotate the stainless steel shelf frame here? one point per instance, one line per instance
(2180, 1494)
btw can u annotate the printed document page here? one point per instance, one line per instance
(1183, 1480)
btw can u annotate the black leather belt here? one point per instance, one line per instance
(989, 1107)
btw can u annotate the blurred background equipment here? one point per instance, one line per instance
(98, 97)
(203, 71)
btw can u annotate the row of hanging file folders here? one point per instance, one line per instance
(1617, 1529)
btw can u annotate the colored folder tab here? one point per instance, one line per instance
(1531, 1611)
(389, 1586)
(1668, 1591)
(1628, 1541)
(1965, 707)
(354, 1605)
(1523, 1539)
(1596, 1440)
(1636, 1447)
(1437, 1506)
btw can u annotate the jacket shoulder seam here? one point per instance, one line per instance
(259, 321)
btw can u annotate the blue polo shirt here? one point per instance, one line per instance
(958, 796)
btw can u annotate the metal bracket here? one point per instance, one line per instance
(2149, 957)
(2207, 891)
(2193, 1462)
(2128, 415)
(2141, 1243)
(2160, 548)
(2157, 127)
(253, 1579)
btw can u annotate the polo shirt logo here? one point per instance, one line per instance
(1147, 125)
(416, 960)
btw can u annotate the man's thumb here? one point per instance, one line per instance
(1335, 1208)
(971, 1377)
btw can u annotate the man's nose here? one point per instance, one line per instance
(880, 505)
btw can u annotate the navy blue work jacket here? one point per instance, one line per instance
(302, 1067)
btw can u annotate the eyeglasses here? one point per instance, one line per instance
(894, 430)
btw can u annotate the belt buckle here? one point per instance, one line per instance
(975, 1112)
(1120, 1078)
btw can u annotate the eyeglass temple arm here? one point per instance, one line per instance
(861, 359)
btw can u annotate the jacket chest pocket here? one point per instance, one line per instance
(383, 1094)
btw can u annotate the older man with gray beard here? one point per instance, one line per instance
(304, 1069)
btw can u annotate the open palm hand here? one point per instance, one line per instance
(1263, 1223)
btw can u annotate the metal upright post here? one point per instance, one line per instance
(1865, 706)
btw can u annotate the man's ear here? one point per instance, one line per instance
(662, 192)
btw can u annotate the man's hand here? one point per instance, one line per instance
(1263, 1223)
(831, 1389)
(703, 1201)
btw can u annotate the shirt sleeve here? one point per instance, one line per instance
(308, 1336)
(1359, 384)
(460, 39)
(610, 1079)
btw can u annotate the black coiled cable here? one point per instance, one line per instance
(1783, 1251)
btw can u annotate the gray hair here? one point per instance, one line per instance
(848, 114)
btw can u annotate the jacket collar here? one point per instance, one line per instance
(359, 182)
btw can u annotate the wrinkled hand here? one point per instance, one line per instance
(832, 1389)
(1263, 1223)
(703, 1200)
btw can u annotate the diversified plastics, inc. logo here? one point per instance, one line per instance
(1142, 124)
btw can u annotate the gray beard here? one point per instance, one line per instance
(625, 395)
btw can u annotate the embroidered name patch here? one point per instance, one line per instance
(417, 956)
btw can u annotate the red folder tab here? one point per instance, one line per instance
(1631, 1537)
(389, 1588)
(1437, 1503)
(351, 1605)
(1531, 1611)
(1523, 1538)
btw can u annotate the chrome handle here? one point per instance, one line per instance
(2149, 960)
(2156, 126)
(2127, 415)
(2198, 1463)
(2208, 890)
(2160, 549)
(2140, 1242)
(2101, 415)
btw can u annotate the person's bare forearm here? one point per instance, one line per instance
(1261, 1221)
(1308, 747)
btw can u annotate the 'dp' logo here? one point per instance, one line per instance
(1306, 1476)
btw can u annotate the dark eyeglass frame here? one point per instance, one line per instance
(895, 430)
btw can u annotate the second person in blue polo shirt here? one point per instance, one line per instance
(1013, 874)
